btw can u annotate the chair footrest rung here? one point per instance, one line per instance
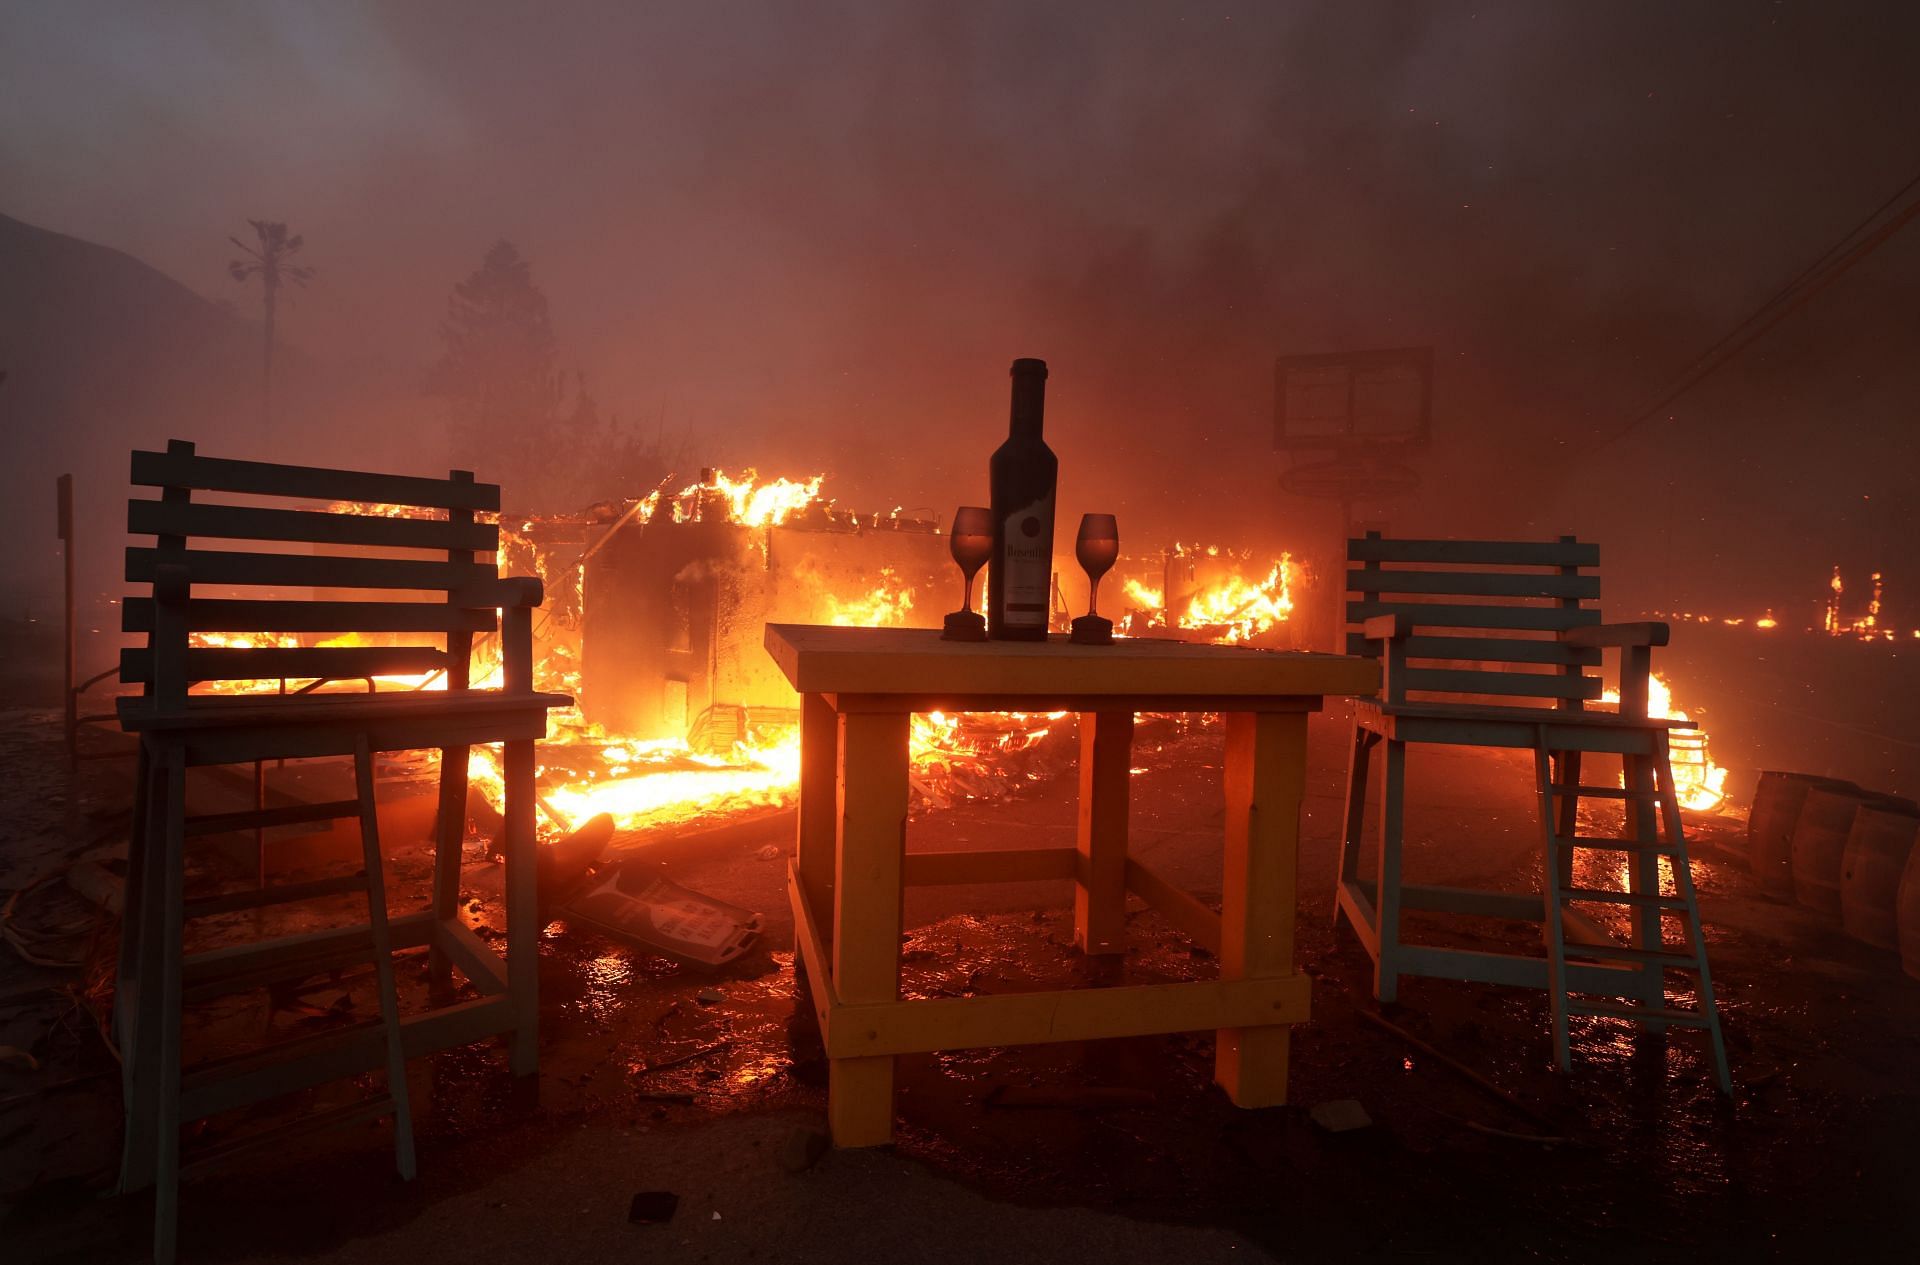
(1622, 898)
(1604, 843)
(1603, 792)
(1641, 1014)
(1631, 953)
(304, 1126)
(286, 815)
(278, 894)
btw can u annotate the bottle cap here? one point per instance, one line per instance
(1028, 365)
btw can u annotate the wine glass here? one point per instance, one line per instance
(971, 541)
(1098, 548)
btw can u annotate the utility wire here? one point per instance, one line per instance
(1801, 276)
(1789, 298)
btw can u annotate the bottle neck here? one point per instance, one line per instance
(1029, 405)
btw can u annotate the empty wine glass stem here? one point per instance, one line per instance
(966, 603)
(1093, 598)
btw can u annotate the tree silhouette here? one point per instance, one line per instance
(497, 370)
(509, 407)
(270, 260)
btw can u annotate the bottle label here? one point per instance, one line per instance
(1027, 566)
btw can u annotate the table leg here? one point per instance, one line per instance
(1100, 883)
(866, 912)
(814, 835)
(1265, 779)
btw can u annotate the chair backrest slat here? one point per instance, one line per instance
(1489, 649)
(345, 530)
(1447, 615)
(1485, 617)
(308, 483)
(1477, 553)
(247, 522)
(1474, 583)
(327, 571)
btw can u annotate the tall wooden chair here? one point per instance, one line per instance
(1490, 644)
(432, 548)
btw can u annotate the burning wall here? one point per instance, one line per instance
(674, 610)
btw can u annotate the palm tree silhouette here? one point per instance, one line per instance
(270, 261)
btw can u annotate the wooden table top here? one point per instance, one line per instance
(915, 661)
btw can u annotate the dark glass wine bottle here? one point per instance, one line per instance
(1022, 476)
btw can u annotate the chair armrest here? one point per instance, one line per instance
(1387, 628)
(1596, 636)
(506, 592)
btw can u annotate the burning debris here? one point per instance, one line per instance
(1217, 593)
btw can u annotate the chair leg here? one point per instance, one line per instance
(523, 915)
(1568, 822)
(383, 958)
(164, 1019)
(1386, 976)
(1556, 863)
(1353, 823)
(1643, 877)
(449, 838)
(130, 908)
(1695, 933)
(136, 1001)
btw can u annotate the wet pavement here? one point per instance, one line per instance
(641, 1080)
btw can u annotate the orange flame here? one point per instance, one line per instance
(1699, 783)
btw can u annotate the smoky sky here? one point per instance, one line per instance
(811, 236)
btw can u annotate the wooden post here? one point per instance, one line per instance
(866, 912)
(815, 829)
(1100, 882)
(1265, 781)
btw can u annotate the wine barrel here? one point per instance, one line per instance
(1878, 848)
(1820, 844)
(1776, 809)
(1907, 910)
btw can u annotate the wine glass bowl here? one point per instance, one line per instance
(1097, 548)
(971, 542)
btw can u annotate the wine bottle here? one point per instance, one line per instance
(1022, 476)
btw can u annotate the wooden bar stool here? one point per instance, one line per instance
(179, 730)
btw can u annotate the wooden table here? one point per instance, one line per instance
(858, 688)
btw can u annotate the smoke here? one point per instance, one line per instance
(812, 237)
